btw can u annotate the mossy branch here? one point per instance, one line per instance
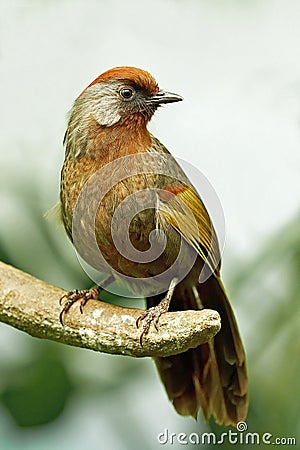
(31, 305)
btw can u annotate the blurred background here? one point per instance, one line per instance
(237, 65)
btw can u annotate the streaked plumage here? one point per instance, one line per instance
(105, 124)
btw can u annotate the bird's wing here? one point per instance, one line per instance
(181, 207)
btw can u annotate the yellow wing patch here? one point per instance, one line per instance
(182, 208)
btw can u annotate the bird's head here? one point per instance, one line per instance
(122, 95)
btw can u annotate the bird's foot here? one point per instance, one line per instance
(74, 296)
(83, 296)
(153, 314)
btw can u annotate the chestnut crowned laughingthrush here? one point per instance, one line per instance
(108, 129)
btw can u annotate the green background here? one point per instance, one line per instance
(237, 65)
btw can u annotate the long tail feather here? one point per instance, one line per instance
(213, 376)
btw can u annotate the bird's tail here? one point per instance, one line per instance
(212, 376)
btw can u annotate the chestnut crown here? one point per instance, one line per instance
(121, 94)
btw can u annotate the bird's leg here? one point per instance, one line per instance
(83, 296)
(153, 314)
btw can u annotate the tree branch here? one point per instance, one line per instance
(31, 305)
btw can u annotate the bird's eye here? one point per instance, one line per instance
(127, 93)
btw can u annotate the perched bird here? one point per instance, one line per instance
(108, 129)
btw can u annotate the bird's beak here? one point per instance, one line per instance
(164, 97)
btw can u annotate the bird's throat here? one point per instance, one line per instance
(125, 138)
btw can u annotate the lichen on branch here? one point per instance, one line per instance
(31, 305)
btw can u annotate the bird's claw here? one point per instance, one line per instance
(74, 296)
(147, 317)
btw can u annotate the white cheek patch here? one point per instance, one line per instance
(107, 116)
(99, 102)
(103, 104)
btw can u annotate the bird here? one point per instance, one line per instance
(109, 149)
